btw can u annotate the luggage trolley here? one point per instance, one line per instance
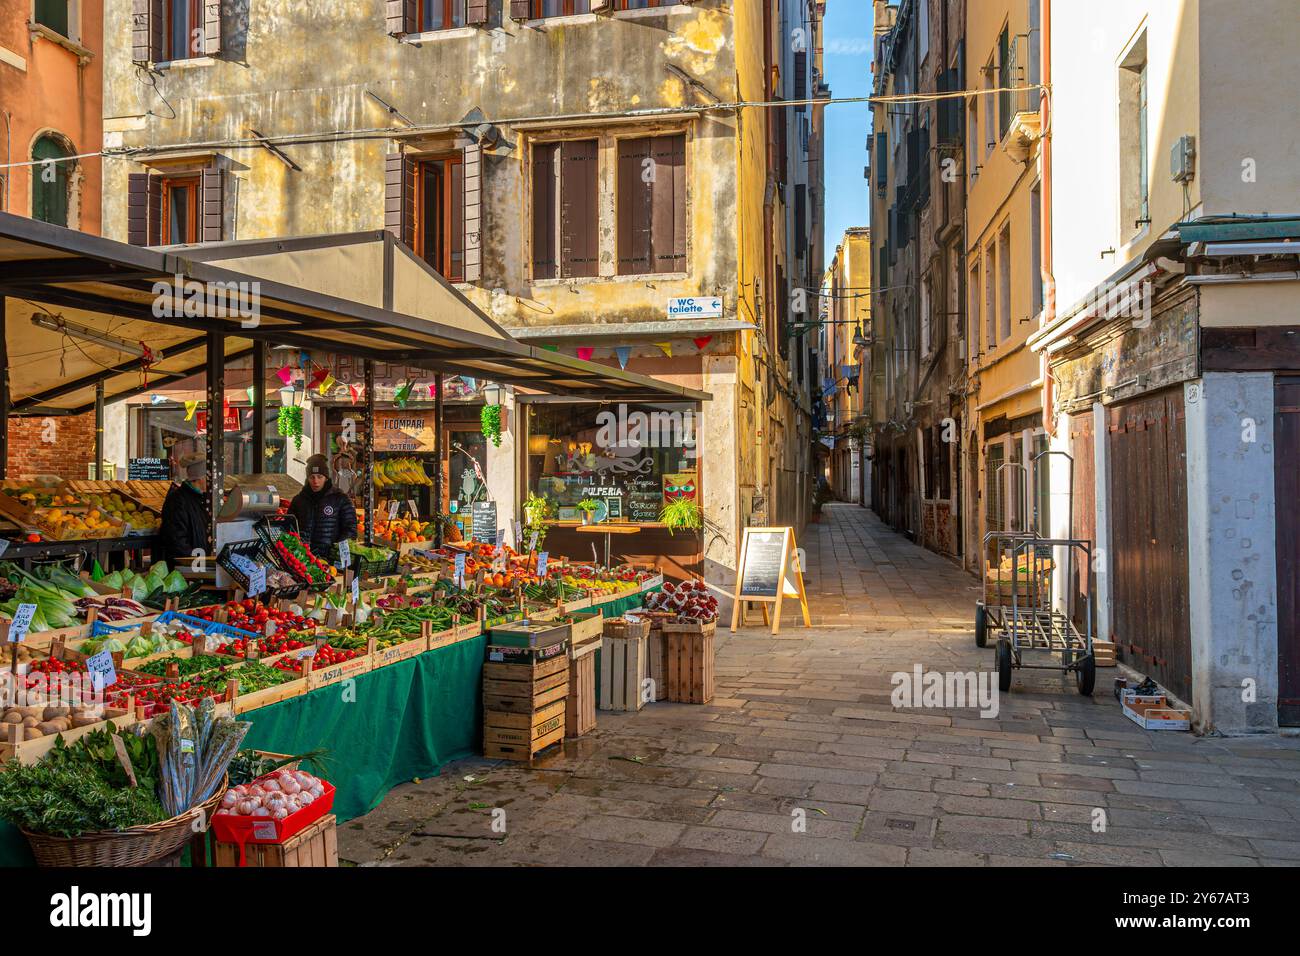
(1022, 612)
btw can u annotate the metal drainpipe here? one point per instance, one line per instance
(1049, 281)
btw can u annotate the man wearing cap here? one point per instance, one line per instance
(184, 513)
(325, 514)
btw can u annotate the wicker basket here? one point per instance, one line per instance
(134, 846)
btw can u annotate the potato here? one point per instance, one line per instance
(30, 721)
(85, 720)
(12, 717)
(52, 712)
(37, 712)
(53, 726)
(34, 733)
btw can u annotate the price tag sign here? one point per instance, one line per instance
(458, 577)
(501, 538)
(4, 546)
(306, 652)
(100, 668)
(345, 555)
(356, 590)
(541, 563)
(393, 508)
(415, 511)
(519, 534)
(256, 580)
(21, 622)
(532, 542)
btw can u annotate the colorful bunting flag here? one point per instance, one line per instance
(665, 347)
(285, 374)
(702, 341)
(584, 352)
(402, 394)
(190, 409)
(551, 348)
(318, 376)
(251, 393)
(624, 353)
(328, 384)
(353, 390)
(156, 399)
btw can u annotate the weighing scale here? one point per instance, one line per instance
(245, 504)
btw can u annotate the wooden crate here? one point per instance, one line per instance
(524, 687)
(622, 671)
(690, 667)
(580, 717)
(507, 727)
(623, 627)
(1104, 653)
(708, 628)
(315, 845)
(657, 662)
(522, 752)
(586, 626)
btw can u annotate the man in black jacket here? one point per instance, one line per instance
(325, 514)
(184, 526)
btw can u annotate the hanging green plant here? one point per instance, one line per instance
(490, 423)
(289, 423)
(682, 514)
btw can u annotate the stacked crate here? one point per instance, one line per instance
(525, 687)
(623, 664)
(690, 661)
(585, 630)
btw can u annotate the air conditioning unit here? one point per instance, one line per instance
(1182, 159)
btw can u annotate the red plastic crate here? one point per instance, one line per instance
(237, 829)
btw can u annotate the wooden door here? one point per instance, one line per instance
(1084, 512)
(1286, 492)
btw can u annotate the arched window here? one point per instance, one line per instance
(51, 180)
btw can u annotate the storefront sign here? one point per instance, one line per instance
(148, 469)
(230, 420)
(405, 430)
(695, 307)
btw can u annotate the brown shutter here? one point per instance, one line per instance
(579, 241)
(473, 212)
(154, 205)
(521, 9)
(456, 206)
(137, 209)
(476, 12)
(399, 198)
(157, 21)
(668, 210)
(544, 262)
(211, 27)
(400, 16)
(141, 47)
(212, 206)
(634, 201)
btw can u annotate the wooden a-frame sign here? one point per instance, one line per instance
(767, 572)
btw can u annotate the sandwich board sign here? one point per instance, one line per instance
(768, 572)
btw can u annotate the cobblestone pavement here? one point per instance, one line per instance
(803, 722)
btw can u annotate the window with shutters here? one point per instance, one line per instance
(651, 205)
(642, 4)
(183, 29)
(176, 208)
(541, 9)
(440, 214)
(566, 189)
(51, 180)
(53, 14)
(166, 30)
(434, 15)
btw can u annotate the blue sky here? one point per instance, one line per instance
(847, 58)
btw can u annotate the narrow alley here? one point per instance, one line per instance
(801, 759)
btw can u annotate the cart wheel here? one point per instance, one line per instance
(981, 626)
(1085, 675)
(1004, 665)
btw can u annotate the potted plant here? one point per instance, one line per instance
(536, 511)
(588, 507)
(683, 514)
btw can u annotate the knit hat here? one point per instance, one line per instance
(318, 465)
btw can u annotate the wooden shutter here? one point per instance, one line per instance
(544, 259)
(579, 181)
(634, 203)
(157, 22)
(473, 224)
(800, 220)
(668, 213)
(400, 16)
(211, 206)
(141, 37)
(800, 79)
(211, 27)
(399, 197)
(521, 9)
(137, 209)
(476, 12)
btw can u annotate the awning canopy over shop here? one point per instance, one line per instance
(376, 305)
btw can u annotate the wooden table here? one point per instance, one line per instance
(608, 529)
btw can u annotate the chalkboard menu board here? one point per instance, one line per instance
(763, 566)
(645, 499)
(483, 515)
(148, 469)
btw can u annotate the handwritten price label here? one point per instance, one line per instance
(542, 558)
(458, 577)
(21, 622)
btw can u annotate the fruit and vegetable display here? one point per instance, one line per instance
(250, 615)
(400, 530)
(52, 588)
(400, 471)
(124, 510)
(690, 601)
(371, 553)
(276, 795)
(154, 586)
(295, 556)
(161, 638)
(326, 655)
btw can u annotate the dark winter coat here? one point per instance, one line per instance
(184, 524)
(325, 518)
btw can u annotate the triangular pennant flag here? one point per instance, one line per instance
(470, 383)
(157, 399)
(551, 348)
(665, 347)
(702, 341)
(319, 376)
(190, 409)
(250, 392)
(285, 374)
(402, 395)
(624, 353)
(353, 390)
(584, 352)
(326, 385)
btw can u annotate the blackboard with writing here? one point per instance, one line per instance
(483, 515)
(763, 567)
(148, 469)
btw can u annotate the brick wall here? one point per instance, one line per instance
(68, 455)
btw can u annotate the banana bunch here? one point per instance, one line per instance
(400, 471)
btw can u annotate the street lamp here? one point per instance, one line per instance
(860, 340)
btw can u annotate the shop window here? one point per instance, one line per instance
(566, 181)
(51, 181)
(53, 14)
(651, 205)
(632, 458)
(175, 209)
(994, 495)
(163, 432)
(433, 203)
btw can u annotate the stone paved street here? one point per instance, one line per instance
(803, 722)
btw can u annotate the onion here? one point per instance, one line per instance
(230, 799)
(292, 786)
(261, 812)
(246, 807)
(279, 813)
(271, 785)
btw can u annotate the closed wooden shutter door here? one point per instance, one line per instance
(212, 206)
(157, 21)
(800, 220)
(668, 219)
(211, 27)
(800, 78)
(141, 33)
(579, 245)
(399, 197)
(476, 12)
(400, 15)
(473, 221)
(544, 260)
(137, 209)
(521, 9)
(635, 203)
